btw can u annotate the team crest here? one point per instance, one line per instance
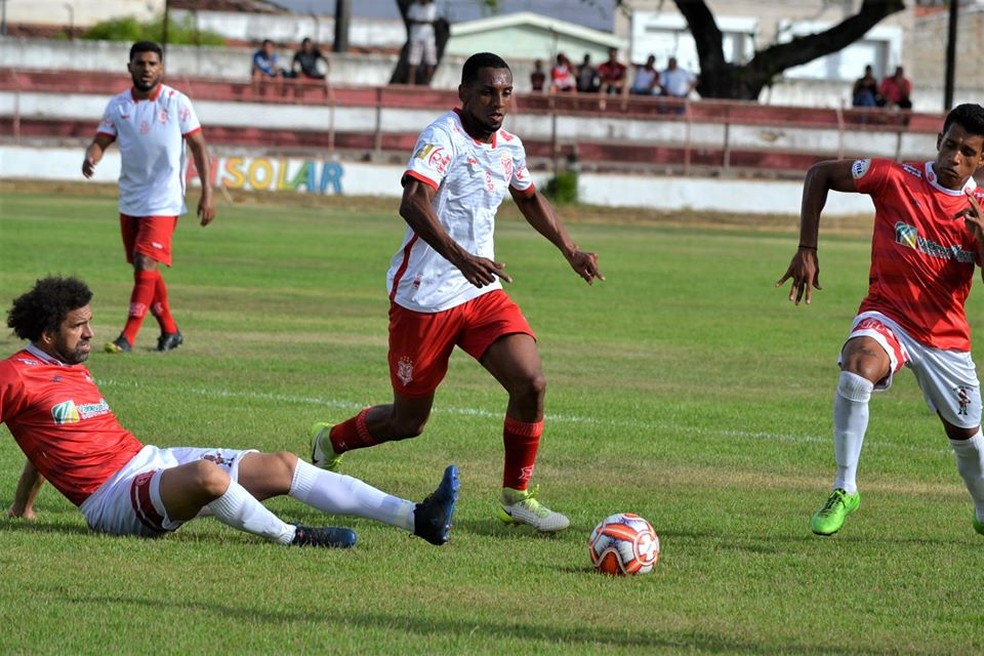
(507, 167)
(860, 168)
(162, 116)
(404, 370)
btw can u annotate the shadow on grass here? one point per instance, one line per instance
(482, 630)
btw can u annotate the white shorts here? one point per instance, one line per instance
(422, 51)
(948, 379)
(130, 502)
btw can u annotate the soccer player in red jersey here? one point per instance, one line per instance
(926, 244)
(446, 290)
(151, 123)
(65, 427)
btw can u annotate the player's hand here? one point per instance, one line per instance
(481, 271)
(21, 513)
(973, 216)
(88, 166)
(585, 264)
(206, 209)
(804, 270)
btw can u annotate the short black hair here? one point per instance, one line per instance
(968, 115)
(146, 46)
(469, 72)
(45, 307)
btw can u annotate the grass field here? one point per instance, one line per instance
(684, 388)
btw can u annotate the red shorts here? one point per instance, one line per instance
(420, 343)
(148, 235)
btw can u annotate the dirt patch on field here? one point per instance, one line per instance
(571, 213)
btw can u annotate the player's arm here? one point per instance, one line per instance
(973, 217)
(540, 214)
(28, 487)
(95, 152)
(199, 150)
(416, 208)
(804, 268)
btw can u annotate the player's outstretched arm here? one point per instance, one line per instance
(540, 214)
(199, 151)
(94, 153)
(804, 268)
(416, 208)
(27, 491)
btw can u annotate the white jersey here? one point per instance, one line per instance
(150, 135)
(471, 179)
(426, 14)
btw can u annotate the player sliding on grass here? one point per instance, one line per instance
(445, 288)
(63, 424)
(926, 242)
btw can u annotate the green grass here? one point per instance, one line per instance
(684, 388)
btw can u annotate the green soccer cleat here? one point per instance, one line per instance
(978, 525)
(322, 456)
(829, 519)
(521, 507)
(118, 345)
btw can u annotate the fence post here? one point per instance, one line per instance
(377, 145)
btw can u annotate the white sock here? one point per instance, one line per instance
(970, 464)
(850, 425)
(240, 509)
(343, 495)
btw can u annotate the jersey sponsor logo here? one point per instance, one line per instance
(912, 170)
(184, 114)
(908, 236)
(144, 128)
(404, 370)
(434, 156)
(860, 168)
(521, 173)
(65, 413)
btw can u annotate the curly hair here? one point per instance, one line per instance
(45, 307)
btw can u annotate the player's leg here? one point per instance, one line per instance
(865, 361)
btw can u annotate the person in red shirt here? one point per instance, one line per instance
(65, 427)
(612, 74)
(926, 243)
(897, 90)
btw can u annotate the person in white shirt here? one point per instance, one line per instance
(677, 82)
(150, 123)
(446, 290)
(421, 16)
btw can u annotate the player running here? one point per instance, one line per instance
(446, 290)
(62, 423)
(150, 123)
(926, 242)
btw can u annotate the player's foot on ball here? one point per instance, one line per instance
(328, 537)
(978, 525)
(322, 453)
(521, 507)
(432, 516)
(169, 341)
(118, 345)
(829, 519)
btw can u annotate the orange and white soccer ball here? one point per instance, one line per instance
(624, 545)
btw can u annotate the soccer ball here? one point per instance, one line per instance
(624, 545)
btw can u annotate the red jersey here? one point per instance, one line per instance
(922, 259)
(610, 71)
(62, 423)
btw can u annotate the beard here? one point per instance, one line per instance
(68, 355)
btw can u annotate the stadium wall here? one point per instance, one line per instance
(238, 170)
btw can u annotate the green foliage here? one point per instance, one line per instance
(685, 388)
(130, 29)
(562, 188)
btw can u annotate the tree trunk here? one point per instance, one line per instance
(442, 32)
(719, 79)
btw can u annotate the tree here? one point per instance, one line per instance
(720, 79)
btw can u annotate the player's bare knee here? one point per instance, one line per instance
(531, 389)
(210, 478)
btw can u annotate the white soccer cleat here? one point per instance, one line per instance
(521, 507)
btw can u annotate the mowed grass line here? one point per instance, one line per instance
(685, 388)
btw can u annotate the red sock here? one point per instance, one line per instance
(160, 307)
(352, 434)
(140, 299)
(522, 441)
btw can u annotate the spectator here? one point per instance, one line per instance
(677, 82)
(421, 16)
(538, 78)
(865, 93)
(310, 64)
(562, 78)
(266, 68)
(897, 90)
(612, 74)
(587, 76)
(646, 81)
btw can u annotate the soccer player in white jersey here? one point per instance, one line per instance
(445, 288)
(926, 244)
(150, 123)
(71, 438)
